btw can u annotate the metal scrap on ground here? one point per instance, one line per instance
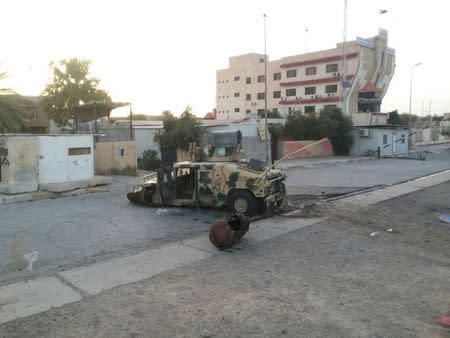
(227, 231)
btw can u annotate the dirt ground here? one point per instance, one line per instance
(327, 280)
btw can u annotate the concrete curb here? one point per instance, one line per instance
(42, 195)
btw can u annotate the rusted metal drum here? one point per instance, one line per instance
(229, 230)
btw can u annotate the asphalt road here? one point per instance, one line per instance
(345, 177)
(80, 230)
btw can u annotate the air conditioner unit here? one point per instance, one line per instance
(365, 132)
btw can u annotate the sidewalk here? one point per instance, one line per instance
(319, 161)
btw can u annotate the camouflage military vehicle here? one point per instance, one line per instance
(216, 176)
(234, 184)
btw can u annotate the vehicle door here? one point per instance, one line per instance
(185, 184)
(205, 191)
(166, 186)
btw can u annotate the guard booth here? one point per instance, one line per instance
(33, 162)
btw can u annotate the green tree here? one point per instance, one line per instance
(337, 127)
(302, 127)
(445, 132)
(330, 122)
(394, 118)
(72, 85)
(11, 118)
(179, 132)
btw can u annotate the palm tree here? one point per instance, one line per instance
(11, 119)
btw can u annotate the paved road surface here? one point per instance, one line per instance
(351, 176)
(76, 231)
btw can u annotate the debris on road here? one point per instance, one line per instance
(444, 320)
(227, 231)
(374, 234)
(31, 258)
(445, 218)
(161, 211)
(205, 334)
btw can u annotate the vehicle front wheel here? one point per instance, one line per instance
(242, 202)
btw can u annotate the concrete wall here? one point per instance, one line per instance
(363, 145)
(57, 165)
(369, 119)
(114, 156)
(20, 169)
(430, 135)
(144, 140)
(288, 147)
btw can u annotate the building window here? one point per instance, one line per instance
(277, 94)
(260, 112)
(236, 94)
(291, 92)
(261, 60)
(330, 89)
(260, 96)
(237, 78)
(248, 111)
(260, 78)
(248, 80)
(237, 110)
(310, 90)
(332, 68)
(79, 151)
(330, 106)
(120, 152)
(248, 97)
(310, 109)
(291, 73)
(276, 76)
(311, 70)
(403, 138)
(275, 110)
(384, 139)
(382, 59)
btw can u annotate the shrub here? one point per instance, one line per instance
(149, 161)
(330, 122)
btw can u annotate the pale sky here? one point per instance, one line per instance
(164, 54)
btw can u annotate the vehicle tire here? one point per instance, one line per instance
(242, 202)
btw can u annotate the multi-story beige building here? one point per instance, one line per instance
(308, 82)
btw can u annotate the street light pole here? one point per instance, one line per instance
(265, 95)
(410, 92)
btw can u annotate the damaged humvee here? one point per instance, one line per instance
(216, 176)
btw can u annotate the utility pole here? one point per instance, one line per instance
(265, 95)
(429, 110)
